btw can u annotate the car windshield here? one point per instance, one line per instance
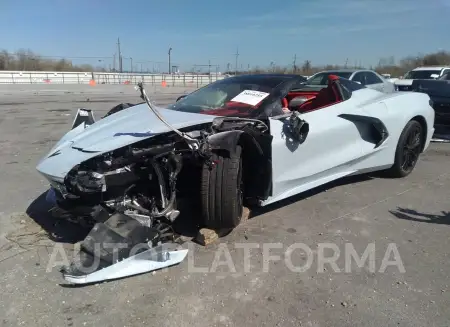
(445, 77)
(421, 74)
(322, 78)
(241, 93)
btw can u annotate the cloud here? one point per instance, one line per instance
(323, 17)
(263, 18)
(309, 32)
(337, 29)
(343, 9)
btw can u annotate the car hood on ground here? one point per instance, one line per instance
(120, 129)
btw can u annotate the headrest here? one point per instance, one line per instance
(332, 78)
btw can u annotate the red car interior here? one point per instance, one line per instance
(304, 94)
(235, 109)
(316, 100)
(326, 97)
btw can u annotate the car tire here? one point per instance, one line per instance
(222, 191)
(408, 150)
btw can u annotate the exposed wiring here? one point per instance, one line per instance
(193, 143)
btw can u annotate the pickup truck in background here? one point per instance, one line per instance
(428, 72)
(439, 92)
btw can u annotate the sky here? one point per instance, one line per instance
(202, 32)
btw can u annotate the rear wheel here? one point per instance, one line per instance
(222, 192)
(408, 150)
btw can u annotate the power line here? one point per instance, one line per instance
(237, 55)
(120, 55)
(170, 50)
(295, 64)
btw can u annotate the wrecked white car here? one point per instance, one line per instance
(230, 144)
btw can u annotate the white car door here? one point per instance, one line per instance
(331, 146)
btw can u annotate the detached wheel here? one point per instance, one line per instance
(222, 192)
(408, 150)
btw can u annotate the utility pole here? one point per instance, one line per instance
(346, 62)
(228, 67)
(120, 55)
(114, 63)
(295, 63)
(170, 50)
(236, 65)
(131, 64)
(209, 67)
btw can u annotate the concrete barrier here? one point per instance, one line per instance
(165, 80)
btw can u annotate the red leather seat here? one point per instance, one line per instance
(326, 97)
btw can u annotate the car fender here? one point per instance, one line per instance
(400, 109)
(257, 156)
(229, 140)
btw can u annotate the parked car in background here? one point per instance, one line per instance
(368, 78)
(439, 92)
(426, 72)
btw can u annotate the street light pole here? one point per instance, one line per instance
(170, 50)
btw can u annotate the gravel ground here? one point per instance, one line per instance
(411, 213)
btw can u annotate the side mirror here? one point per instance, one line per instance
(298, 127)
(181, 97)
(434, 76)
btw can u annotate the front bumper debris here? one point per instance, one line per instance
(121, 247)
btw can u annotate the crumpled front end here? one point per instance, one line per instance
(121, 176)
(125, 173)
(129, 197)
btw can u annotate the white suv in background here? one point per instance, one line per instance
(429, 72)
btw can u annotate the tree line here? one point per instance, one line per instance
(27, 60)
(386, 65)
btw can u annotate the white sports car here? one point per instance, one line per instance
(228, 145)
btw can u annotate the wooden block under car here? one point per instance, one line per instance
(207, 236)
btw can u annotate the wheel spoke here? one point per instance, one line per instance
(411, 149)
(405, 160)
(413, 141)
